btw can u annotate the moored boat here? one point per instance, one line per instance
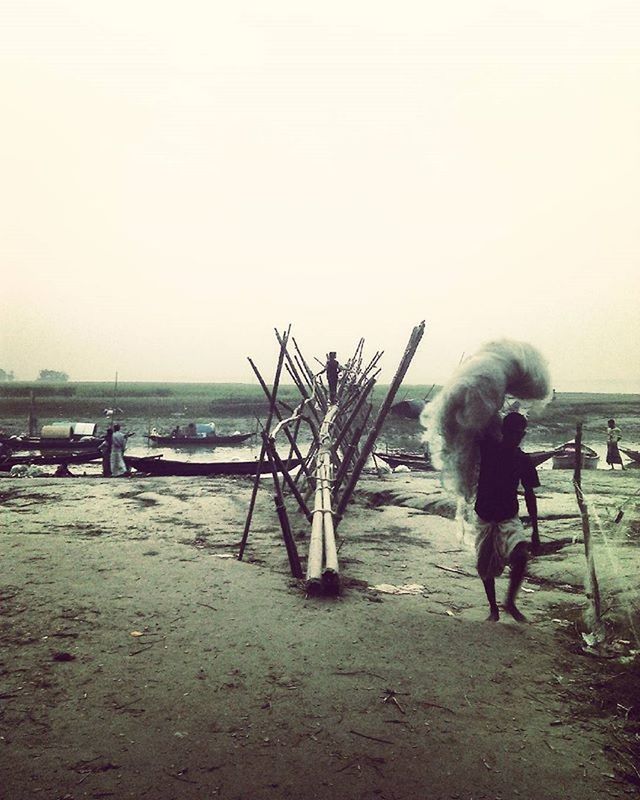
(634, 455)
(197, 441)
(48, 459)
(540, 456)
(416, 462)
(159, 466)
(33, 443)
(565, 457)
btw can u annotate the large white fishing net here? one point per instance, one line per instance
(468, 406)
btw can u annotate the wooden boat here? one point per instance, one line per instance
(565, 457)
(540, 456)
(198, 441)
(46, 460)
(33, 443)
(417, 462)
(157, 465)
(634, 455)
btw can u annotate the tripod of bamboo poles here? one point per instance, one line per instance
(335, 455)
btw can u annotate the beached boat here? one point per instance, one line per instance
(197, 441)
(157, 465)
(33, 443)
(47, 460)
(540, 456)
(63, 437)
(565, 457)
(634, 455)
(416, 462)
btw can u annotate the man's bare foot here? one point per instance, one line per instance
(494, 615)
(511, 608)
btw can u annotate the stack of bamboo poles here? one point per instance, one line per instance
(322, 561)
(336, 456)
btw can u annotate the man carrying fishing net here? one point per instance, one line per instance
(500, 535)
(480, 457)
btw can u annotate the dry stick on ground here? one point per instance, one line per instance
(594, 590)
(272, 407)
(411, 348)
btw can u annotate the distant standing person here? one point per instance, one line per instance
(105, 449)
(614, 434)
(500, 535)
(118, 445)
(332, 369)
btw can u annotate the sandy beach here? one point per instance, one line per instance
(140, 658)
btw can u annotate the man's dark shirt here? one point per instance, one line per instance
(502, 469)
(332, 368)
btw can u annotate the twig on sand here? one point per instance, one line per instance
(436, 705)
(361, 672)
(456, 571)
(142, 649)
(178, 777)
(373, 738)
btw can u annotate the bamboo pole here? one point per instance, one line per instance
(322, 541)
(593, 593)
(272, 405)
(330, 573)
(271, 448)
(281, 510)
(412, 346)
(265, 389)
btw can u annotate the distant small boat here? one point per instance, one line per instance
(159, 466)
(565, 457)
(46, 460)
(634, 455)
(198, 441)
(416, 462)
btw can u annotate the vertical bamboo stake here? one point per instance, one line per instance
(594, 590)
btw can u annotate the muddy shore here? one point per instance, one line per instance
(141, 659)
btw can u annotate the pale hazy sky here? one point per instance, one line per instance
(177, 178)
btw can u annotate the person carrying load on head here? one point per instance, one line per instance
(500, 535)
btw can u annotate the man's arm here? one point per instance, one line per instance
(532, 508)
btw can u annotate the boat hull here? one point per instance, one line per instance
(416, 462)
(50, 459)
(198, 442)
(166, 467)
(34, 444)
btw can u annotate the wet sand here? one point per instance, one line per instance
(141, 659)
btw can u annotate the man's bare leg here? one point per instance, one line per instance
(518, 562)
(490, 590)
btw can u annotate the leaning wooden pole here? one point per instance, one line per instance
(272, 406)
(593, 592)
(412, 346)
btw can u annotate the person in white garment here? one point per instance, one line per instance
(118, 446)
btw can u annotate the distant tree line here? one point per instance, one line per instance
(6, 376)
(53, 375)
